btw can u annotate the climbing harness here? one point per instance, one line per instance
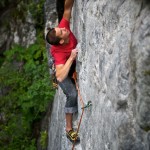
(82, 104)
(54, 80)
(53, 73)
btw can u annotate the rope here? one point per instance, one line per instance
(82, 103)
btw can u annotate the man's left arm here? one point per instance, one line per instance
(68, 9)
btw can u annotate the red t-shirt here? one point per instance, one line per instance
(61, 53)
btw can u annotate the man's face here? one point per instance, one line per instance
(63, 33)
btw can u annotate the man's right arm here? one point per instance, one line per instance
(68, 9)
(63, 69)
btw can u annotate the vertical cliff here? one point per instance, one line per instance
(113, 68)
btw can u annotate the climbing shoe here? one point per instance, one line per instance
(73, 136)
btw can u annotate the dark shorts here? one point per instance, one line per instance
(69, 89)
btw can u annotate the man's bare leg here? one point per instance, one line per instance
(69, 117)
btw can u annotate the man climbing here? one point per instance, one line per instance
(64, 53)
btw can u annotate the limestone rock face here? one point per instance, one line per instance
(113, 68)
(19, 33)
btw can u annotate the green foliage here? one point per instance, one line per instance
(43, 140)
(13, 11)
(146, 73)
(26, 91)
(37, 11)
(25, 85)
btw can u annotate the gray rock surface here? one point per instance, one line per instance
(18, 33)
(113, 68)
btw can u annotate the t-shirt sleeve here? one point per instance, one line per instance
(59, 58)
(64, 23)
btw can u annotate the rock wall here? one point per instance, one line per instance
(18, 33)
(113, 68)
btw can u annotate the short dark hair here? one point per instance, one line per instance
(51, 37)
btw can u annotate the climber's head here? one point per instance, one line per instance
(56, 36)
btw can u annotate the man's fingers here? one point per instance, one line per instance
(75, 50)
